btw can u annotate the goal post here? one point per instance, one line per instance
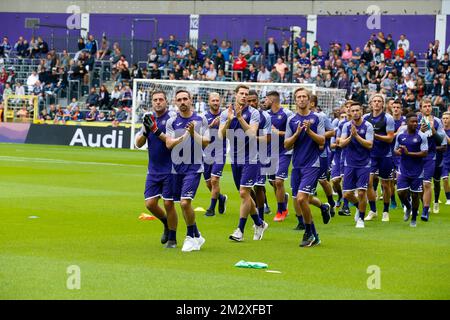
(200, 90)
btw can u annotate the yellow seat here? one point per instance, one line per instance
(9, 115)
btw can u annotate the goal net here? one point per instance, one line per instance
(200, 90)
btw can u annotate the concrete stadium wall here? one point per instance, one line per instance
(223, 7)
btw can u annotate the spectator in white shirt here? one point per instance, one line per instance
(31, 81)
(212, 73)
(200, 105)
(245, 49)
(404, 42)
(406, 70)
(263, 74)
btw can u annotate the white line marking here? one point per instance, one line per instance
(60, 161)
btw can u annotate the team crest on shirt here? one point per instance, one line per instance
(361, 131)
(280, 117)
(244, 116)
(415, 140)
(312, 121)
(163, 122)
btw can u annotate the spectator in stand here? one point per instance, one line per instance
(42, 46)
(127, 96)
(441, 93)
(122, 69)
(403, 42)
(281, 67)
(347, 54)
(274, 75)
(152, 57)
(433, 62)
(91, 45)
(136, 72)
(5, 47)
(245, 49)
(65, 60)
(271, 52)
(252, 74)
(380, 41)
(387, 52)
(103, 99)
(121, 114)
(115, 98)
(92, 115)
(367, 55)
(173, 44)
(213, 48)
(398, 64)
(7, 91)
(388, 85)
(221, 75)
(239, 66)
(226, 51)
(101, 117)
(285, 51)
(160, 46)
(200, 105)
(315, 49)
(21, 47)
(400, 51)
(304, 46)
(104, 50)
(111, 116)
(23, 114)
(256, 54)
(81, 44)
(343, 82)
(445, 62)
(33, 48)
(203, 52)
(390, 42)
(263, 74)
(212, 73)
(154, 72)
(31, 80)
(219, 61)
(92, 99)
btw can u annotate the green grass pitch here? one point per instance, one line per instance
(88, 202)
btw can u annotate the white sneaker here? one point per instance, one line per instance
(447, 203)
(190, 244)
(237, 235)
(200, 241)
(259, 230)
(436, 208)
(372, 215)
(385, 217)
(360, 224)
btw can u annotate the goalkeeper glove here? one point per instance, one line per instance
(150, 125)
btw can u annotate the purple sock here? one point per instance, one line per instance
(242, 222)
(425, 210)
(345, 203)
(172, 235)
(308, 228)
(362, 214)
(256, 219)
(300, 219)
(313, 229)
(447, 195)
(212, 206)
(373, 206)
(191, 231)
(281, 206)
(196, 233)
(261, 213)
(385, 207)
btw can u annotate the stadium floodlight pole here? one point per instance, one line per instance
(154, 20)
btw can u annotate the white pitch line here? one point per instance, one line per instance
(60, 161)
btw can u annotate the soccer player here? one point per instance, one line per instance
(357, 139)
(239, 123)
(446, 168)
(412, 147)
(264, 137)
(399, 121)
(305, 135)
(187, 135)
(433, 128)
(159, 174)
(337, 171)
(213, 169)
(380, 155)
(324, 163)
(279, 118)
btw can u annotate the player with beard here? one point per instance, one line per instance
(434, 130)
(446, 167)
(187, 135)
(214, 166)
(399, 121)
(412, 147)
(240, 123)
(381, 155)
(264, 137)
(357, 140)
(159, 174)
(283, 157)
(305, 135)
